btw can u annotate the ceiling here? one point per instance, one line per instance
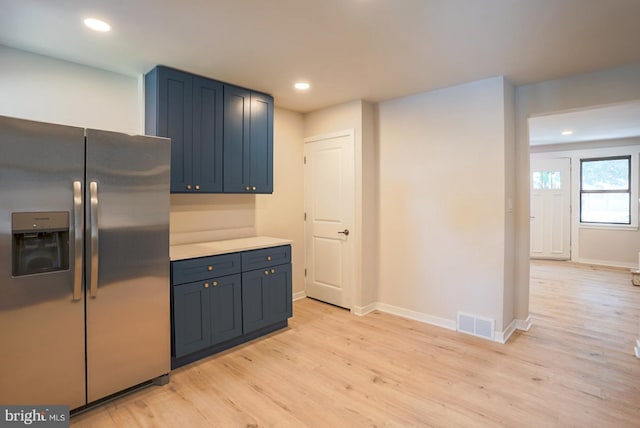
(602, 123)
(346, 49)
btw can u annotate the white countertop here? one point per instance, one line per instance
(213, 248)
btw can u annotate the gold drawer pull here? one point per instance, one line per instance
(273, 271)
(215, 283)
(209, 268)
(188, 186)
(247, 188)
(268, 258)
(253, 188)
(266, 272)
(206, 285)
(197, 187)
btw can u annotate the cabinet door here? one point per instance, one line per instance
(236, 139)
(261, 151)
(253, 301)
(207, 135)
(266, 297)
(175, 120)
(226, 308)
(278, 296)
(191, 317)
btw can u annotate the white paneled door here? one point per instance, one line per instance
(551, 208)
(329, 211)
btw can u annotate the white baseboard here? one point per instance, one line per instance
(417, 316)
(503, 336)
(524, 325)
(299, 295)
(606, 263)
(516, 324)
(363, 310)
(500, 337)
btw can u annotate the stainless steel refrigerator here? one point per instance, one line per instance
(84, 263)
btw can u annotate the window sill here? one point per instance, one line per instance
(603, 226)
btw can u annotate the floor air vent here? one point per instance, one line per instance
(477, 326)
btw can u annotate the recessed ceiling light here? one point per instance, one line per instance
(567, 132)
(302, 86)
(97, 25)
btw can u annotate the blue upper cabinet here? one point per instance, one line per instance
(207, 135)
(248, 141)
(221, 135)
(261, 147)
(187, 109)
(169, 113)
(237, 121)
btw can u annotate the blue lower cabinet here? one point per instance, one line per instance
(226, 308)
(266, 297)
(191, 317)
(211, 314)
(206, 313)
(279, 293)
(254, 301)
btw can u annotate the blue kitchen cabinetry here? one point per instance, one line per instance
(266, 287)
(266, 297)
(222, 301)
(248, 141)
(208, 310)
(187, 109)
(221, 135)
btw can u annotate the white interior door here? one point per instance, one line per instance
(329, 211)
(551, 208)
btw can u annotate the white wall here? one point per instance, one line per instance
(281, 214)
(606, 245)
(211, 217)
(442, 202)
(582, 91)
(45, 89)
(370, 205)
(509, 295)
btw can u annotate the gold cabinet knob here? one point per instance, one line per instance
(268, 258)
(266, 272)
(273, 271)
(247, 188)
(188, 186)
(209, 268)
(206, 285)
(215, 283)
(197, 187)
(253, 188)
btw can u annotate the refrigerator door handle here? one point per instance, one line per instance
(93, 190)
(77, 226)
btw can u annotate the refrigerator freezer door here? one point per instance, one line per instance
(128, 315)
(42, 357)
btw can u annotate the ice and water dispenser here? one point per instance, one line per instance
(40, 242)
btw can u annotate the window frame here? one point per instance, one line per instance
(628, 158)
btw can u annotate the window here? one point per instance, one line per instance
(547, 180)
(605, 192)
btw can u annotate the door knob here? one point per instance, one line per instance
(345, 232)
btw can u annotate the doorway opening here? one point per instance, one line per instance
(584, 185)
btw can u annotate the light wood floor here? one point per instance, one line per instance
(575, 367)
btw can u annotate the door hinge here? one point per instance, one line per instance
(305, 272)
(305, 160)
(305, 216)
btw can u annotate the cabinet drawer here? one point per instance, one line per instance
(203, 268)
(258, 259)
